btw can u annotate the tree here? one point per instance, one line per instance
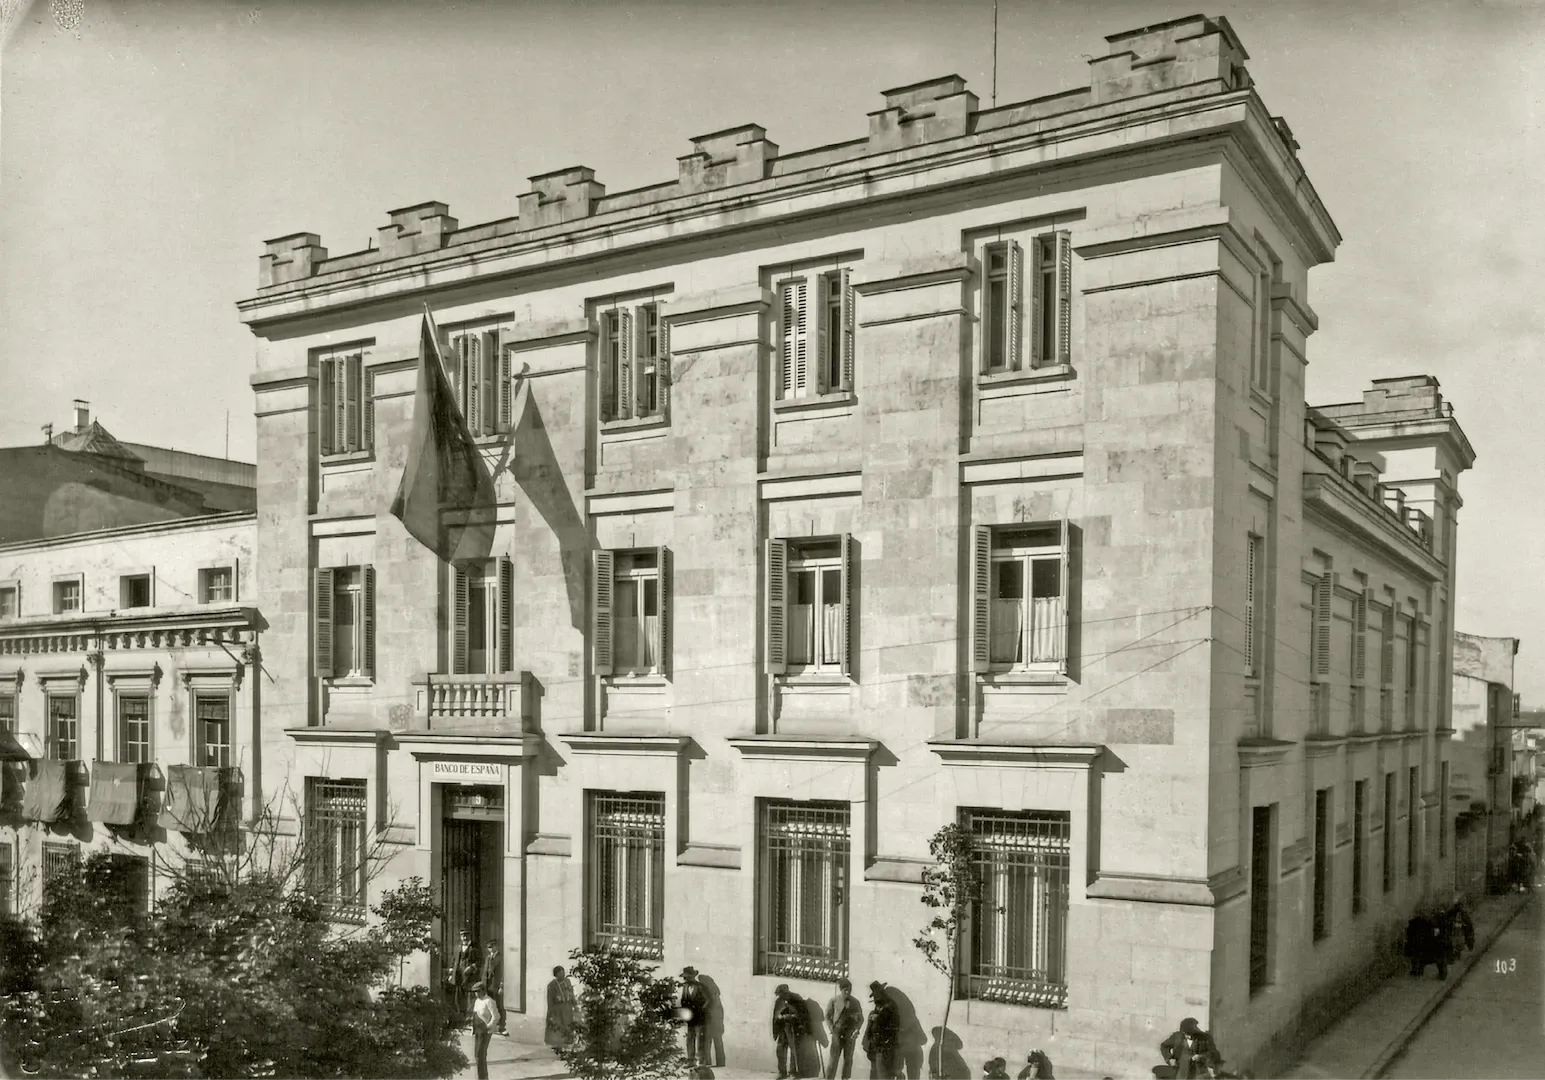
(625, 1026)
(951, 888)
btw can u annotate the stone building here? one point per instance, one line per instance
(129, 698)
(957, 473)
(1484, 719)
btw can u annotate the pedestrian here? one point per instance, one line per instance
(1191, 1052)
(844, 1018)
(882, 1035)
(493, 979)
(1463, 922)
(484, 1016)
(789, 1021)
(559, 1030)
(1037, 1066)
(694, 1011)
(464, 972)
(996, 1069)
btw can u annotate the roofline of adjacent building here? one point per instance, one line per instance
(189, 524)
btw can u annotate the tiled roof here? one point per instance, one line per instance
(96, 439)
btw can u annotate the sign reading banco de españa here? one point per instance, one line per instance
(466, 772)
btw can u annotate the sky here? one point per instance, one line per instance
(148, 148)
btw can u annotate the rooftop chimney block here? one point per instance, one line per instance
(82, 414)
(556, 197)
(922, 112)
(1181, 52)
(289, 258)
(415, 229)
(737, 155)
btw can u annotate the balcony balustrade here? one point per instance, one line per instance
(474, 701)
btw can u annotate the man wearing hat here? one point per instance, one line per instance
(789, 1021)
(844, 1016)
(694, 1010)
(1190, 1051)
(485, 1014)
(882, 1036)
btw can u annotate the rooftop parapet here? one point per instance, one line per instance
(413, 229)
(738, 155)
(923, 112)
(560, 196)
(1166, 55)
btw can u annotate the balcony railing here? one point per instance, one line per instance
(473, 700)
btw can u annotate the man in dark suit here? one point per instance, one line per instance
(1190, 1051)
(493, 980)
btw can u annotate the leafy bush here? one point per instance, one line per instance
(624, 1024)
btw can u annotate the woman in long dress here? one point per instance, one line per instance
(560, 1010)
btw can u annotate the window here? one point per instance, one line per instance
(63, 734)
(1022, 583)
(630, 632)
(1410, 673)
(811, 613)
(1322, 838)
(1048, 327)
(481, 610)
(1413, 800)
(802, 863)
(347, 421)
(1389, 831)
(1015, 940)
(212, 731)
(1260, 350)
(635, 363)
(335, 857)
(1359, 842)
(134, 591)
(815, 316)
(129, 881)
(1319, 652)
(217, 585)
(1443, 811)
(1255, 549)
(134, 727)
(8, 713)
(479, 372)
(344, 616)
(10, 601)
(625, 872)
(67, 596)
(1262, 882)
(7, 878)
(61, 864)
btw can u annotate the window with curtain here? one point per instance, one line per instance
(803, 852)
(1015, 942)
(625, 872)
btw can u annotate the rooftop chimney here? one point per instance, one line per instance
(82, 415)
(48, 434)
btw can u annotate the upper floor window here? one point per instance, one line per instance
(1255, 552)
(810, 598)
(481, 609)
(343, 610)
(635, 363)
(347, 421)
(67, 596)
(217, 585)
(815, 334)
(631, 634)
(212, 728)
(8, 713)
(1007, 327)
(61, 740)
(479, 372)
(134, 727)
(134, 591)
(10, 600)
(1022, 581)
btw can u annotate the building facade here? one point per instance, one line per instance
(1483, 755)
(958, 473)
(130, 698)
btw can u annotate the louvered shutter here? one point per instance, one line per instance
(625, 356)
(473, 410)
(663, 619)
(1360, 638)
(1016, 329)
(326, 425)
(506, 615)
(1250, 571)
(849, 605)
(663, 368)
(351, 382)
(459, 586)
(981, 599)
(1322, 593)
(322, 621)
(367, 432)
(791, 343)
(825, 336)
(601, 612)
(340, 407)
(777, 567)
(496, 416)
(608, 367)
(847, 330)
(801, 346)
(1072, 596)
(1064, 298)
(368, 620)
(641, 360)
(1387, 651)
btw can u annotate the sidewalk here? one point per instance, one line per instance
(1367, 1039)
(508, 1059)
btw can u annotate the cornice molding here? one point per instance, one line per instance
(984, 752)
(852, 749)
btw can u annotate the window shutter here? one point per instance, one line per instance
(777, 566)
(325, 423)
(457, 355)
(506, 614)
(608, 369)
(1072, 596)
(786, 301)
(1016, 329)
(1387, 652)
(1250, 570)
(472, 410)
(640, 360)
(367, 432)
(663, 368)
(625, 356)
(849, 605)
(351, 381)
(496, 413)
(601, 612)
(1360, 639)
(847, 330)
(459, 585)
(322, 621)
(1322, 625)
(340, 407)
(825, 335)
(1064, 298)
(801, 335)
(663, 622)
(981, 600)
(368, 620)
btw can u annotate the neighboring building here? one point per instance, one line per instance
(1481, 780)
(84, 479)
(957, 473)
(129, 692)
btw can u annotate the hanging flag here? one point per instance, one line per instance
(446, 497)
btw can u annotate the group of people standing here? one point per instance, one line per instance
(1437, 936)
(844, 1018)
(476, 980)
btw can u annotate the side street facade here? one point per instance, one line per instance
(958, 473)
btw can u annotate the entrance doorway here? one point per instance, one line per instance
(471, 867)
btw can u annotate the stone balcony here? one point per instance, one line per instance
(463, 703)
